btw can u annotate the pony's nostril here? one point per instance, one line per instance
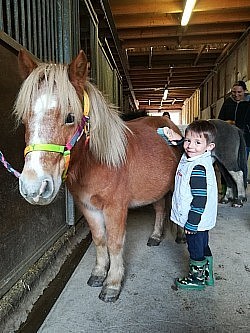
(43, 187)
(46, 188)
(44, 191)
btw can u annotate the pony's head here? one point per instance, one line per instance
(50, 106)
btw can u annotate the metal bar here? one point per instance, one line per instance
(91, 12)
(73, 29)
(40, 39)
(56, 32)
(45, 54)
(67, 16)
(16, 21)
(59, 30)
(67, 32)
(70, 207)
(48, 31)
(28, 17)
(23, 25)
(8, 13)
(52, 26)
(1, 15)
(35, 36)
(78, 27)
(94, 54)
(95, 75)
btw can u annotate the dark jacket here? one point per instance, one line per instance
(239, 112)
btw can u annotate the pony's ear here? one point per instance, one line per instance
(25, 63)
(78, 70)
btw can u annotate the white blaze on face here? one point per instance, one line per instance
(42, 105)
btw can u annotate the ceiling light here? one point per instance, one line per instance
(187, 11)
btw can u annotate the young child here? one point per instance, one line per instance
(194, 203)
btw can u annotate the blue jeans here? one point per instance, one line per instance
(198, 247)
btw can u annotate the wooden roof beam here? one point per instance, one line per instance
(174, 6)
(171, 31)
(143, 20)
(187, 40)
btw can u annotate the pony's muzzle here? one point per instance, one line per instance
(37, 192)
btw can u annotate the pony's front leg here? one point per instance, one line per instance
(96, 223)
(115, 227)
(160, 215)
(99, 272)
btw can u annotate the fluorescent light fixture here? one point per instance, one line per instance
(137, 104)
(187, 11)
(165, 95)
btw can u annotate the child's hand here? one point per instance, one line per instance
(187, 232)
(171, 135)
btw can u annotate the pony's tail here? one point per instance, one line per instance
(242, 157)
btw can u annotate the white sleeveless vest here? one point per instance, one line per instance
(182, 197)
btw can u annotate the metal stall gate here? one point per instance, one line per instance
(49, 30)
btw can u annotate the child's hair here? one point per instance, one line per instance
(203, 127)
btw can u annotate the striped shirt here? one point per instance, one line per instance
(198, 185)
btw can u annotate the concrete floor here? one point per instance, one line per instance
(148, 303)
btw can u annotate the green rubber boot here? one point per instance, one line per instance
(195, 278)
(209, 276)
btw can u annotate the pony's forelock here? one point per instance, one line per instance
(51, 78)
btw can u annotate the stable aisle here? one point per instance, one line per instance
(148, 302)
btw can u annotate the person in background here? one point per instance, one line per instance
(194, 203)
(166, 114)
(236, 111)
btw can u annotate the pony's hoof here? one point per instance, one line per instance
(224, 201)
(109, 295)
(96, 281)
(153, 242)
(237, 203)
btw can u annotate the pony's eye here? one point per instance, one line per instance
(70, 119)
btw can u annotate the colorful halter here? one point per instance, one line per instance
(65, 150)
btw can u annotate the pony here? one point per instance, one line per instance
(229, 155)
(108, 165)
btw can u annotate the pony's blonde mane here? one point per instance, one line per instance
(108, 139)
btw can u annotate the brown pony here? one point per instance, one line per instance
(118, 166)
